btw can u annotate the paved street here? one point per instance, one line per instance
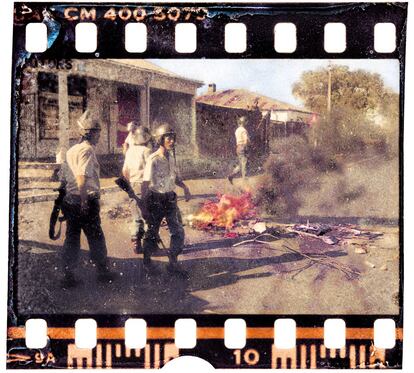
(251, 278)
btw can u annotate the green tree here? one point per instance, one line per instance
(360, 90)
(364, 113)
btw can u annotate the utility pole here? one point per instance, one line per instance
(328, 104)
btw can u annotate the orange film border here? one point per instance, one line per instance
(162, 333)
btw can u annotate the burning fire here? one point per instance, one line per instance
(224, 213)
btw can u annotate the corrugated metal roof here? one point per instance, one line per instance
(143, 65)
(244, 99)
(149, 66)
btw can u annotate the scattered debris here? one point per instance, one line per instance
(321, 259)
(117, 212)
(258, 239)
(315, 229)
(23, 220)
(360, 250)
(330, 240)
(242, 230)
(259, 227)
(231, 235)
(369, 264)
(337, 233)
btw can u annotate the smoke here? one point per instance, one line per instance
(300, 180)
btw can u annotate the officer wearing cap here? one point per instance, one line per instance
(81, 205)
(133, 170)
(160, 179)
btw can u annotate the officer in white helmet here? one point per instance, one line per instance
(158, 190)
(136, 157)
(81, 205)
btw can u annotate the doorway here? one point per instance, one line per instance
(128, 109)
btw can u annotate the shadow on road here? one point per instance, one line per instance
(133, 292)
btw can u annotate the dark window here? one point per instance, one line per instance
(48, 99)
(47, 82)
(76, 86)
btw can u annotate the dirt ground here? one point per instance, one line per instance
(247, 279)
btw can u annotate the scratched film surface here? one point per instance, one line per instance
(301, 220)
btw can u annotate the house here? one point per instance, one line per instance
(55, 93)
(217, 112)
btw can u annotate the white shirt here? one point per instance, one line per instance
(81, 161)
(160, 172)
(242, 137)
(129, 139)
(135, 161)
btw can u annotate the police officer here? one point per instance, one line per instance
(133, 170)
(242, 143)
(160, 179)
(81, 204)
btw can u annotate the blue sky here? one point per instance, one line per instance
(273, 78)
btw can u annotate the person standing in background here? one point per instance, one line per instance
(131, 128)
(242, 143)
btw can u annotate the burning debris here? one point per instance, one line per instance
(224, 214)
(236, 216)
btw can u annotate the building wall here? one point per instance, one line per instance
(26, 117)
(99, 97)
(130, 75)
(290, 116)
(175, 109)
(216, 126)
(285, 129)
(39, 137)
(38, 121)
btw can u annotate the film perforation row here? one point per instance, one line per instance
(186, 332)
(235, 38)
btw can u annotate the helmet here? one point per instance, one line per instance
(132, 126)
(242, 120)
(141, 136)
(87, 123)
(161, 131)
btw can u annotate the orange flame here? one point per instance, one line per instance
(224, 213)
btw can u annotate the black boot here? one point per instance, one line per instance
(175, 269)
(105, 275)
(149, 267)
(136, 245)
(69, 281)
(138, 241)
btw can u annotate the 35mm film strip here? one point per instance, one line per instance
(259, 350)
(303, 228)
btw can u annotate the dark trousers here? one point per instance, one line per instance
(159, 206)
(90, 223)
